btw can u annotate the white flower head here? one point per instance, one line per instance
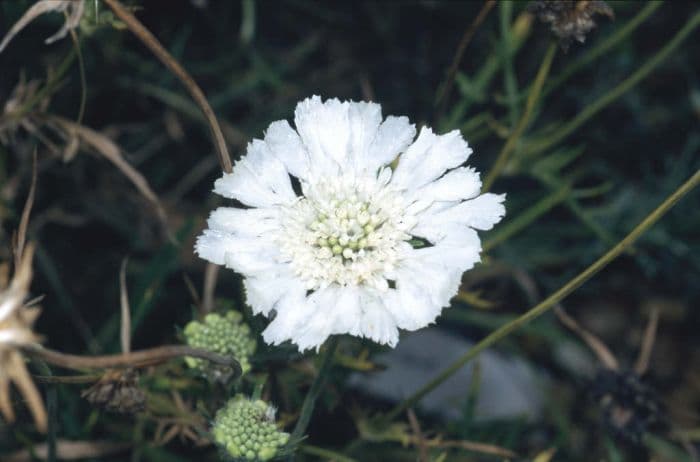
(327, 241)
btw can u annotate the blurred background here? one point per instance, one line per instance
(573, 192)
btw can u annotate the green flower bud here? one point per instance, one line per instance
(246, 430)
(222, 334)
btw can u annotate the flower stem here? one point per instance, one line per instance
(592, 109)
(532, 99)
(526, 217)
(552, 300)
(51, 407)
(310, 401)
(326, 454)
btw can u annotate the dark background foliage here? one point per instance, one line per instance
(88, 216)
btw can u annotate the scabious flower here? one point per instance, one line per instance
(246, 429)
(225, 335)
(338, 238)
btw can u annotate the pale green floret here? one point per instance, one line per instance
(246, 430)
(225, 335)
(354, 225)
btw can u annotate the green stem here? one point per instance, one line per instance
(307, 408)
(51, 409)
(592, 109)
(532, 98)
(552, 300)
(326, 454)
(525, 218)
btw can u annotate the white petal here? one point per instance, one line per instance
(484, 211)
(286, 145)
(293, 312)
(377, 323)
(395, 134)
(323, 128)
(259, 179)
(437, 222)
(411, 306)
(459, 250)
(429, 157)
(458, 184)
(212, 245)
(245, 255)
(336, 311)
(252, 256)
(364, 119)
(244, 222)
(265, 291)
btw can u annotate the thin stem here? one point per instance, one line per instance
(326, 454)
(148, 39)
(140, 358)
(83, 80)
(532, 99)
(528, 216)
(51, 409)
(592, 109)
(444, 95)
(307, 408)
(552, 300)
(67, 379)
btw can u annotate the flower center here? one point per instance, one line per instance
(347, 231)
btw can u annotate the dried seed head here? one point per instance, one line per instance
(569, 19)
(631, 407)
(117, 391)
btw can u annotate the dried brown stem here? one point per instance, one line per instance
(125, 334)
(67, 379)
(136, 359)
(647, 343)
(21, 236)
(594, 343)
(210, 275)
(418, 435)
(148, 39)
(68, 450)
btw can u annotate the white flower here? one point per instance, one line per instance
(325, 243)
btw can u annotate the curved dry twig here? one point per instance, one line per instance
(21, 236)
(148, 39)
(136, 359)
(113, 153)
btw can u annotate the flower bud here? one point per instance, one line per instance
(222, 334)
(246, 430)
